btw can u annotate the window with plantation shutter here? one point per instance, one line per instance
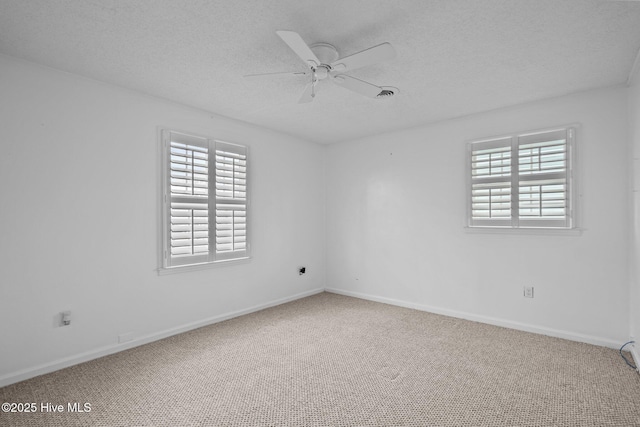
(205, 200)
(523, 181)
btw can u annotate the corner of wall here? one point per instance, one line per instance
(633, 126)
(325, 155)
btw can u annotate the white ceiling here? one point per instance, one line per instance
(455, 57)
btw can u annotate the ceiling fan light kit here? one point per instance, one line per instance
(324, 63)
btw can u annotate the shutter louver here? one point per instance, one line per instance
(543, 199)
(491, 183)
(543, 194)
(231, 201)
(491, 162)
(542, 157)
(231, 228)
(189, 170)
(231, 175)
(491, 200)
(188, 204)
(189, 229)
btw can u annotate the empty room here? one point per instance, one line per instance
(305, 213)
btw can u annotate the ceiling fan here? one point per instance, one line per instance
(323, 63)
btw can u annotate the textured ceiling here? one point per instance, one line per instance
(454, 57)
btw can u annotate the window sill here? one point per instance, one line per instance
(526, 231)
(202, 266)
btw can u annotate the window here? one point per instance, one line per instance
(522, 181)
(205, 200)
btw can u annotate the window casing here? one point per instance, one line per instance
(523, 181)
(205, 201)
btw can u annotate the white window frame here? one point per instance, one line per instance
(213, 257)
(569, 223)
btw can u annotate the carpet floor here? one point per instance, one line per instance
(331, 360)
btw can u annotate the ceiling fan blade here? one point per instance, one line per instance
(308, 94)
(279, 74)
(373, 55)
(295, 42)
(357, 85)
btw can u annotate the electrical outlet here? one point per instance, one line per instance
(65, 318)
(528, 291)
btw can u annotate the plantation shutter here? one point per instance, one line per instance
(522, 181)
(491, 196)
(188, 199)
(543, 179)
(230, 201)
(205, 200)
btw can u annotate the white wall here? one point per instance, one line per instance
(396, 211)
(78, 220)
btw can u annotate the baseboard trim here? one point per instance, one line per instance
(557, 333)
(636, 357)
(66, 362)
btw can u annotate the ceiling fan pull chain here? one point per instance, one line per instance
(313, 85)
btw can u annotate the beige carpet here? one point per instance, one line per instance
(330, 360)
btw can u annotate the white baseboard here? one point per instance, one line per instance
(636, 356)
(572, 336)
(46, 368)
